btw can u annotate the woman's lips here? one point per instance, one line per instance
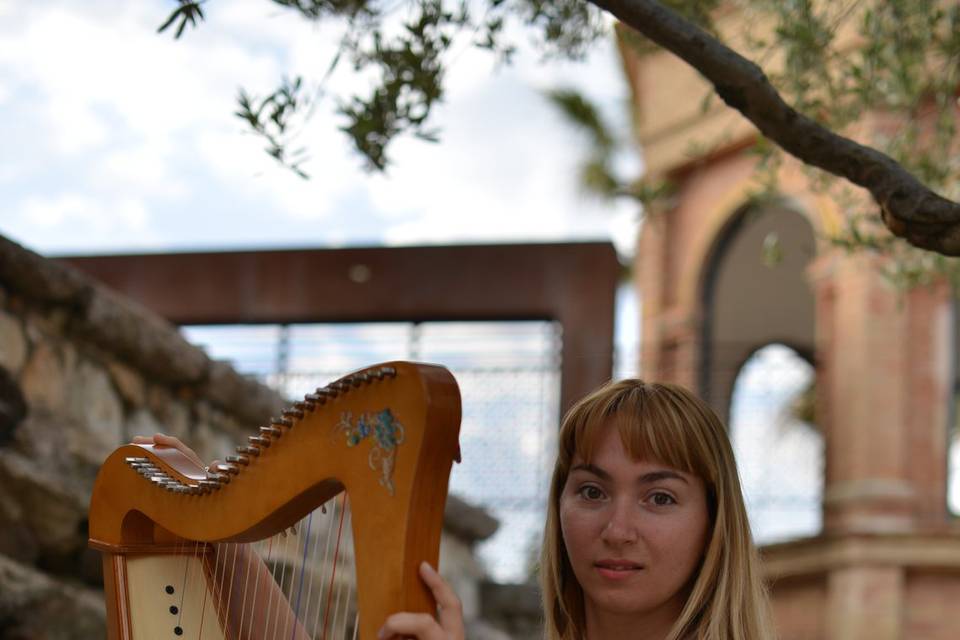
(617, 569)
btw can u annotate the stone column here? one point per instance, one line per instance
(882, 386)
(670, 332)
(865, 389)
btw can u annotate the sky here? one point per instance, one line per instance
(119, 139)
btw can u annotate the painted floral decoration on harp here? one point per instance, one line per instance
(387, 434)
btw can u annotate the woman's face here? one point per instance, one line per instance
(634, 531)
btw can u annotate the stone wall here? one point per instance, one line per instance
(83, 370)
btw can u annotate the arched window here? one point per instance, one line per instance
(778, 445)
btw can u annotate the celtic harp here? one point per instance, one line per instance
(353, 479)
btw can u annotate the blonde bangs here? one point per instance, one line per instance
(653, 421)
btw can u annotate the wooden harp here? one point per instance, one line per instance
(384, 437)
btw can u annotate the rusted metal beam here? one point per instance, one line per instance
(573, 284)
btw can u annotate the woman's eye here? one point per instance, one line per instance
(662, 499)
(591, 492)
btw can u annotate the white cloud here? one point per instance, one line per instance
(81, 211)
(124, 113)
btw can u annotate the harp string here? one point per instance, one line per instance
(303, 567)
(279, 565)
(313, 571)
(343, 586)
(333, 572)
(288, 612)
(266, 621)
(182, 551)
(223, 614)
(250, 556)
(256, 583)
(319, 551)
(331, 520)
(233, 573)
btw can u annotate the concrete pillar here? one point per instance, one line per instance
(865, 603)
(867, 487)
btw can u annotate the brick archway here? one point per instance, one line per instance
(749, 299)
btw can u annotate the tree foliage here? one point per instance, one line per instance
(840, 60)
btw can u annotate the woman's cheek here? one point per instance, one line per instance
(577, 523)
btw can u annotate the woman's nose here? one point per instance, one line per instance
(621, 526)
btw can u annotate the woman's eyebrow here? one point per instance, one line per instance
(657, 476)
(647, 478)
(592, 468)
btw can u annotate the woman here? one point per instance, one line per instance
(646, 535)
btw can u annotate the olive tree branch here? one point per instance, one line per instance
(909, 209)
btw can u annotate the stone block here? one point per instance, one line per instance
(40, 437)
(13, 407)
(142, 423)
(44, 378)
(210, 443)
(34, 605)
(142, 338)
(93, 404)
(242, 396)
(39, 278)
(129, 383)
(13, 344)
(43, 501)
(471, 524)
(172, 415)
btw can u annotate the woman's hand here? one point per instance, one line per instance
(424, 626)
(161, 440)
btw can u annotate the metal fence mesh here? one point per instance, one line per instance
(509, 374)
(509, 377)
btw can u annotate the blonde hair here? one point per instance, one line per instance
(666, 423)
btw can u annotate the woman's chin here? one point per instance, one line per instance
(621, 602)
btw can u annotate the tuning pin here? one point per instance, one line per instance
(293, 414)
(389, 372)
(363, 377)
(284, 422)
(220, 478)
(226, 468)
(271, 431)
(244, 460)
(248, 451)
(259, 441)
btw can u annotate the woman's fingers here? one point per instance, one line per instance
(424, 626)
(162, 440)
(417, 625)
(450, 608)
(170, 441)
